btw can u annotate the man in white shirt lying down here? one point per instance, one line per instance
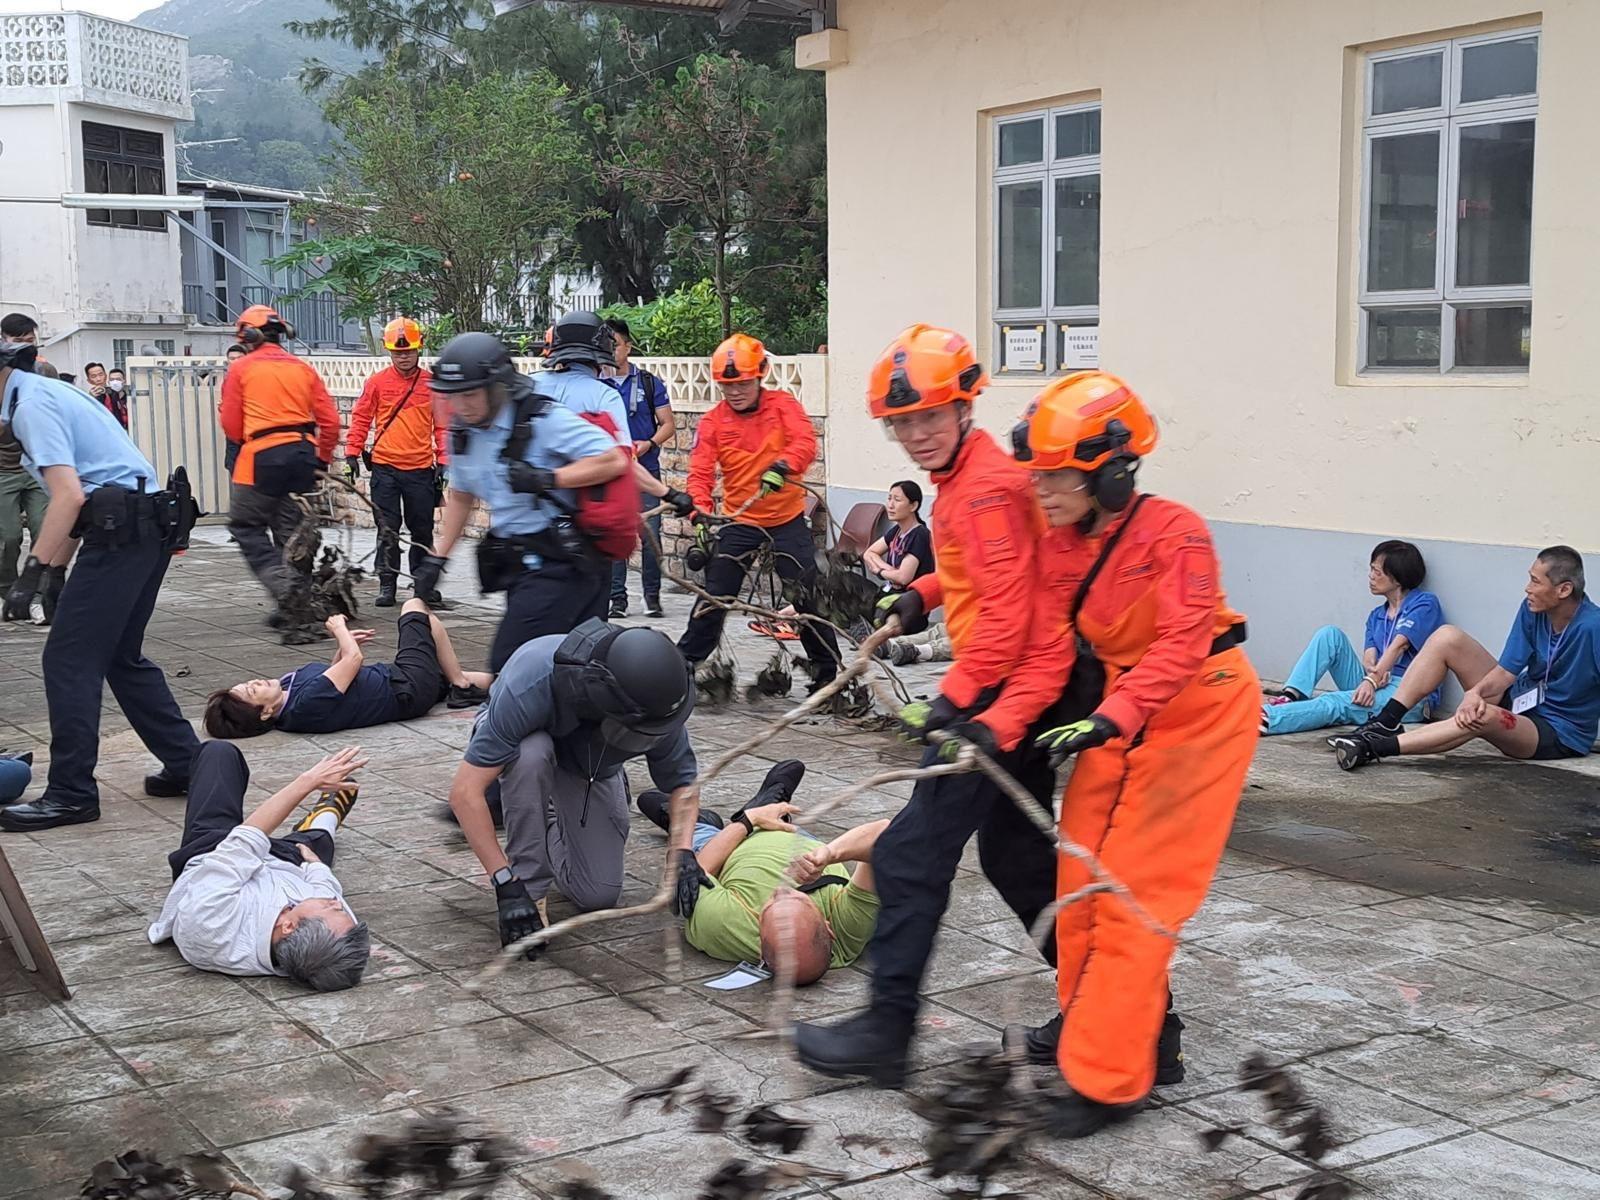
(244, 902)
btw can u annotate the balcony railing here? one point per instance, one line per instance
(317, 320)
(46, 57)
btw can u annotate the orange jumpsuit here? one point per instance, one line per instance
(271, 389)
(744, 445)
(1157, 803)
(412, 440)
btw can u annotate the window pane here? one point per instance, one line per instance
(1021, 245)
(101, 137)
(1495, 215)
(1405, 84)
(96, 175)
(1078, 134)
(124, 179)
(1078, 240)
(1404, 220)
(1022, 142)
(1403, 337)
(1499, 69)
(1493, 337)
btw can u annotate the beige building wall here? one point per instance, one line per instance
(1229, 238)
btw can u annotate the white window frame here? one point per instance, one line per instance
(1447, 119)
(1051, 316)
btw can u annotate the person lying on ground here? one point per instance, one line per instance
(244, 902)
(563, 717)
(350, 693)
(1396, 630)
(1541, 700)
(764, 874)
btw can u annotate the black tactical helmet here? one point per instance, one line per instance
(631, 683)
(581, 337)
(471, 360)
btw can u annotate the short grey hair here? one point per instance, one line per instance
(314, 957)
(1564, 565)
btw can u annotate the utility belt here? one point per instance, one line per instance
(306, 429)
(500, 557)
(1234, 635)
(119, 516)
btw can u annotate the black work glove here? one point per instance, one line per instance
(976, 732)
(19, 600)
(1065, 740)
(425, 579)
(908, 607)
(691, 878)
(921, 717)
(55, 579)
(531, 480)
(518, 915)
(352, 469)
(682, 503)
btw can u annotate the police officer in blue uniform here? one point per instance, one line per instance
(532, 552)
(103, 491)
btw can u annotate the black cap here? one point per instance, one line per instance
(581, 337)
(469, 361)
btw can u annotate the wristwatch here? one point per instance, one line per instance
(502, 877)
(739, 816)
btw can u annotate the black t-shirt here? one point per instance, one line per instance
(316, 706)
(916, 541)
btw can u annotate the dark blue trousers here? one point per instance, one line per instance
(97, 638)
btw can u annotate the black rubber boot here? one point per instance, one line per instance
(1039, 1043)
(1077, 1116)
(1169, 1051)
(386, 589)
(872, 1043)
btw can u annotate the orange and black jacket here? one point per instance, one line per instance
(1154, 614)
(986, 529)
(271, 398)
(743, 446)
(413, 440)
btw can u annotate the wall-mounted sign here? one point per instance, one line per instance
(1022, 348)
(1080, 347)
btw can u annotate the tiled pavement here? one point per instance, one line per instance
(1453, 1029)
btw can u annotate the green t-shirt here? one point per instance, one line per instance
(727, 918)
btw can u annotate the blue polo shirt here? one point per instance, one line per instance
(558, 438)
(1567, 667)
(1419, 617)
(314, 705)
(579, 388)
(59, 426)
(642, 395)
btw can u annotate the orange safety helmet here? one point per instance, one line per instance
(1091, 422)
(259, 320)
(402, 333)
(924, 367)
(740, 357)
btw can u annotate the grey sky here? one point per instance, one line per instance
(124, 10)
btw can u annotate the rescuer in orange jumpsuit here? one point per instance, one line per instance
(1162, 758)
(407, 454)
(763, 443)
(986, 531)
(279, 411)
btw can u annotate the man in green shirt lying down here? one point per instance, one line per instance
(753, 892)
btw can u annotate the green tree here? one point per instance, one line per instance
(377, 277)
(478, 171)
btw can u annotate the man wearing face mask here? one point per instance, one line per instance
(116, 395)
(524, 456)
(565, 714)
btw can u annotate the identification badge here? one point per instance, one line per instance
(742, 976)
(1528, 699)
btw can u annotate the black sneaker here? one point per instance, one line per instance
(652, 607)
(466, 697)
(1369, 726)
(618, 611)
(652, 803)
(1353, 751)
(1077, 1116)
(780, 783)
(164, 783)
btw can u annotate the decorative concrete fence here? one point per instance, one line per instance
(173, 416)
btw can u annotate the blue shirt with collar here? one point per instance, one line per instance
(559, 437)
(1419, 618)
(1567, 667)
(642, 393)
(59, 426)
(578, 387)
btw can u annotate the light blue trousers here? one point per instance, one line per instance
(1330, 654)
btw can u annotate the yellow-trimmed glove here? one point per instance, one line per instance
(774, 477)
(976, 732)
(1066, 740)
(905, 605)
(922, 717)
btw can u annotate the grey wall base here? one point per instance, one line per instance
(1290, 581)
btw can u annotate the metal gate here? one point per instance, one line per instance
(173, 419)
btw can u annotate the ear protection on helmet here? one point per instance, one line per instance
(1111, 483)
(252, 336)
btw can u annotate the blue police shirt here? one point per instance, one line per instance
(314, 705)
(558, 438)
(641, 400)
(522, 702)
(1419, 617)
(59, 426)
(1566, 667)
(579, 387)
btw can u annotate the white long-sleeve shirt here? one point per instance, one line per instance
(221, 910)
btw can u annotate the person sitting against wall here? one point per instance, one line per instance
(1540, 701)
(905, 551)
(1396, 631)
(774, 894)
(348, 693)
